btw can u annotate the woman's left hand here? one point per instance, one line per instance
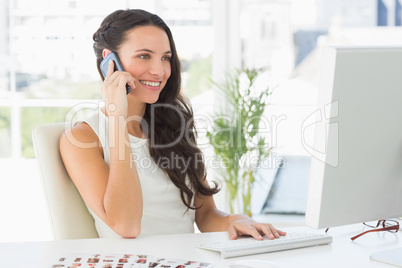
(244, 225)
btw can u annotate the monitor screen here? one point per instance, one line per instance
(356, 164)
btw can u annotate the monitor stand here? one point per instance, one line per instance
(391, 256)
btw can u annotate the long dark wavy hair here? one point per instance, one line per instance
(170, 121)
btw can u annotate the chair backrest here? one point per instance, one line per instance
(69, 215)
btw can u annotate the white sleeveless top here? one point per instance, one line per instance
(163, 210)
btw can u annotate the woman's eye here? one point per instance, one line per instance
(167, 58)
(144, 56)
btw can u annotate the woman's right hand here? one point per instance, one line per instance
(112, 190)
(114, 90)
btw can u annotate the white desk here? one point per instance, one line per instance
(341, 253)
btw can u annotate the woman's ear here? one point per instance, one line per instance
(105, 52)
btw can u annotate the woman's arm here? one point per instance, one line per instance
(210, 219)
(112, 191)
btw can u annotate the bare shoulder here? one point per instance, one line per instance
(80, 137)
(84, 162)
(82, 156)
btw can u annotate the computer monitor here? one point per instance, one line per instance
(356, 163)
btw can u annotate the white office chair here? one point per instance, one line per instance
(69, 216)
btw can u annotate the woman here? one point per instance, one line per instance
(143, 173)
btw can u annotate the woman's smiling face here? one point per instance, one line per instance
(146, 55)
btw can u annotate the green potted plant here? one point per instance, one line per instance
(235, 135)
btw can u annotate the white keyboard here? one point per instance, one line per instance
(249, 245)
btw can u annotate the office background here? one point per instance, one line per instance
(47, 66)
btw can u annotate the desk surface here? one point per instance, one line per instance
(341, 253)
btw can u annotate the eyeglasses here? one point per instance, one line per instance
(387, 225)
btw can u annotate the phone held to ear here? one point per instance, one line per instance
(117, 66)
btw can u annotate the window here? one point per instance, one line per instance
(48, 54)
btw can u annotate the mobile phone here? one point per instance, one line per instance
(117, 66)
